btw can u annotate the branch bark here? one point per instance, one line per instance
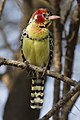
(2, 6)
(66, 12)
(57, 51)
(78, 1)
(22, 65)
(61, 102)
(69, 59)
(68, 106)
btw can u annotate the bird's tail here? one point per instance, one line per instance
(37, 93)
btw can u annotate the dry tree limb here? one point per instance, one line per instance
(65, 15)
(61, 102)
(66, 12)
(69, 105)
(78, 1)
(27, 9)
(69, 58)
(19, 64)
(72, 41)
(2, 6)
(7, 45)
(57, 50)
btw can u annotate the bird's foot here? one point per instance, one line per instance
(44, 71)
(27, 65)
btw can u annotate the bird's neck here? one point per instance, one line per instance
(34, 31)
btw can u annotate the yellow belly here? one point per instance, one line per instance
(36, 52)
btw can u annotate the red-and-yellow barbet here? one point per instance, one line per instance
(37, 49)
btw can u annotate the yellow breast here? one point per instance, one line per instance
(34, 31)
(36, 52)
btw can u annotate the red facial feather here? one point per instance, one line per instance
(39, 11)
(40, 18)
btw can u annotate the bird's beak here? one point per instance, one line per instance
(48, 22)
(54, 17)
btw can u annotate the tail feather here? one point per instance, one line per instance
(37, 93)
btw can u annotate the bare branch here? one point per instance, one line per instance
(7, 45)
(61, 102)
(67, 107)
(22, 65)
(2, 6)
(78, 1)
(69, 58)
(66, 12)
(57, 51)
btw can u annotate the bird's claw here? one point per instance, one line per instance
(44, 71)
(27, 65)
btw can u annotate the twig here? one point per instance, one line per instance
(57, 51)
(78, 1)
(67, 12)
(61, 102)
(7, 45)
(69, 58)
(2, 7)
(68, 106)
(22, 65)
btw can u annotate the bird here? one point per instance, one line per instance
(37, 49)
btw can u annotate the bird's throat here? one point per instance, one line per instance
(34, 31)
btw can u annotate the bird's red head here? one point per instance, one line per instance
(42, 17)
(39, 15)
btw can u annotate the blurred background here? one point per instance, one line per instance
(14, 83)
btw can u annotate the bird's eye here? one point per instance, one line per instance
(46, 16)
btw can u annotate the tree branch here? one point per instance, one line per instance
(22, 65)
(78, 1)
(66, 12)
(61, 102)
(68, 106)
(2, 7)
(19, 64)
(70, 52)
(57, 51)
